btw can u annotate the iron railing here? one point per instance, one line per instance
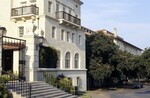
(17, 85)
(68, 17)
(25, 10)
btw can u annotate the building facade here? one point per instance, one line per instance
(123, 45)
(58, 23)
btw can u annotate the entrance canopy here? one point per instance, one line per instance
(10, 43)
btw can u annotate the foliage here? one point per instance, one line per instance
(145, 60)
(60, 81)
(4, 93)
(105, 62)
(50, 79)
(48, 57)
(100, 56)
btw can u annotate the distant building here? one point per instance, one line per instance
(123, 45)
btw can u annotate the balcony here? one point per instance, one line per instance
(24, 11)
(66, 18)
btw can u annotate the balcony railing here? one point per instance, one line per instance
(25, 10)
(68, 17)
(13, 43)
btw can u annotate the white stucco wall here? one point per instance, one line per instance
(43, 23)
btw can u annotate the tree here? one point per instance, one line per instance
(145, 60)
(100, 56)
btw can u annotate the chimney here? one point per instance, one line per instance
(115, 32)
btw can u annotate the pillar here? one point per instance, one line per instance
(31, 57)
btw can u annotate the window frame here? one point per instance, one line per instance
(76, 60)
(62, 34)
(53, 32)
(73, 35)
(79, 39)
(21, 34)
(67, 36)
(67, 60)
(50, 6)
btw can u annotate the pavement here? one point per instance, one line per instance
(120, 93)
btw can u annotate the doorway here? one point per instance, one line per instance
(7, 60)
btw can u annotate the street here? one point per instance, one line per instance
(131, 93)
(122, 93)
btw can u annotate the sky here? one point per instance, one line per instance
(130, 17)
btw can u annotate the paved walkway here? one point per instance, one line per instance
(98, 94)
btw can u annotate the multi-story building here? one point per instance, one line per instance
(123, 45)
(58, 22)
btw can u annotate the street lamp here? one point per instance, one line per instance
(41, 40)
(2, 31)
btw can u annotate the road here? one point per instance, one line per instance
(122, 93)
(130, 93)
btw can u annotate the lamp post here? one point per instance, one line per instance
(41, 40)
(2, 32)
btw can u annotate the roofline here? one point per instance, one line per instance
(121, 39)
(130, 44)
(79, 1)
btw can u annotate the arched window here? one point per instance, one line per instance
(67, 60)
(76, 60)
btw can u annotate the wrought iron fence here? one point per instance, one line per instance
(17, 85)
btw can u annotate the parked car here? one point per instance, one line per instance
(137, 85)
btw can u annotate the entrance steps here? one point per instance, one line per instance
(40, 89)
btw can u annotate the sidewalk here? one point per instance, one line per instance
(98, 94)
(95, 94)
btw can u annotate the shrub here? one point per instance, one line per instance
(50, 79)
(4, 93)
(60, 81)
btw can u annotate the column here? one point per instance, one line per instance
(31, 57)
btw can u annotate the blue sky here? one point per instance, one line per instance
(130, 17)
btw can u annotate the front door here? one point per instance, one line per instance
(7, 61)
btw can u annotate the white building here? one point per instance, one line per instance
(123, 45)
(58, 21)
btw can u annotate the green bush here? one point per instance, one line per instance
(60, 81)
(50, 79)
(4, 93)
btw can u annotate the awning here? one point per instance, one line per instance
(10, 43)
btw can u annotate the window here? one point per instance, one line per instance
(62, 34)
(21, 31)
(67, 60)
(57, 7)
(70, 11)
(73, 37)
(53, 32)
(76, 61)
(68, 36)
(58, 59)
(79, 39)
(79, 82)
(64, 8)
(49, 6)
